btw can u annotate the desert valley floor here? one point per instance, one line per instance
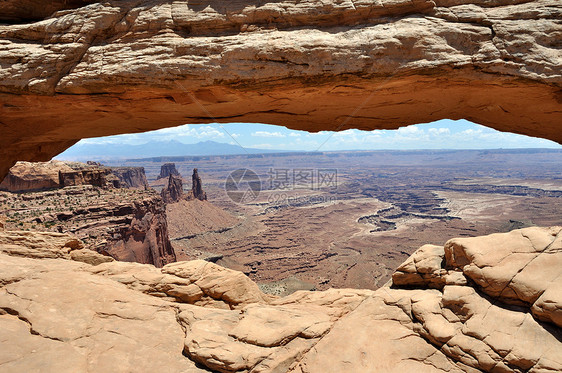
(316, 220)
(97, 271)
(354, 216)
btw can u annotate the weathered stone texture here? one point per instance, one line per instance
(128, 66)
(196, 316)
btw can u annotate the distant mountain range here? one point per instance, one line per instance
(155, 149)
(84, 152)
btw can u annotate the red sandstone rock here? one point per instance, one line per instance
(173, 191)
(97, 177)
(127, 224)
(168, 169)
(145, 239)
(130, 177)
(35, 176)
(196, 188)
(30, 176)
(195, 316)
(309, 65)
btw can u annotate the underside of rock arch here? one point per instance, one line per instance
(102, 68)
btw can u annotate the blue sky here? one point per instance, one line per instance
(443, 134)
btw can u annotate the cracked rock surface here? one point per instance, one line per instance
(457, 314)
(97, 68)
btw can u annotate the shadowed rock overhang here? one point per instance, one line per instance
(104, 68)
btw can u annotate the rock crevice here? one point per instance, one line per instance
(195, 316)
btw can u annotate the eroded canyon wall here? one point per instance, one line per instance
(130, 66)
(36, 176)
(112, 210)
(128, 225)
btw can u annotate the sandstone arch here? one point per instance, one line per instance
(135, 65)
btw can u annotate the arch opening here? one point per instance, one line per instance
(132, 66)
(297, 210)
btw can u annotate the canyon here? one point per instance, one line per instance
(355, 230)
(484, 301)
(110, 210)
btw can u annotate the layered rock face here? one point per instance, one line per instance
(130, 177)
(168, 169)
(478, 304)
(128, 66)
(173, 191)
(97, 177)
(145, 238)
(127, 224)
(30, 176)
(35, 176)
(196, 188)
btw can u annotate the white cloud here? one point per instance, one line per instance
(471, 132)
(171, 130)
(262, 146)
(318, 134)
(101, 140)
(182, 133)
(347, 136)
(267, 134)
(410, 130)
(208, 131)
(439, 131)
(459, 134)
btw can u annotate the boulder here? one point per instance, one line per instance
(231, 287)
(38, 244)
(515, 267)
(197, 316)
